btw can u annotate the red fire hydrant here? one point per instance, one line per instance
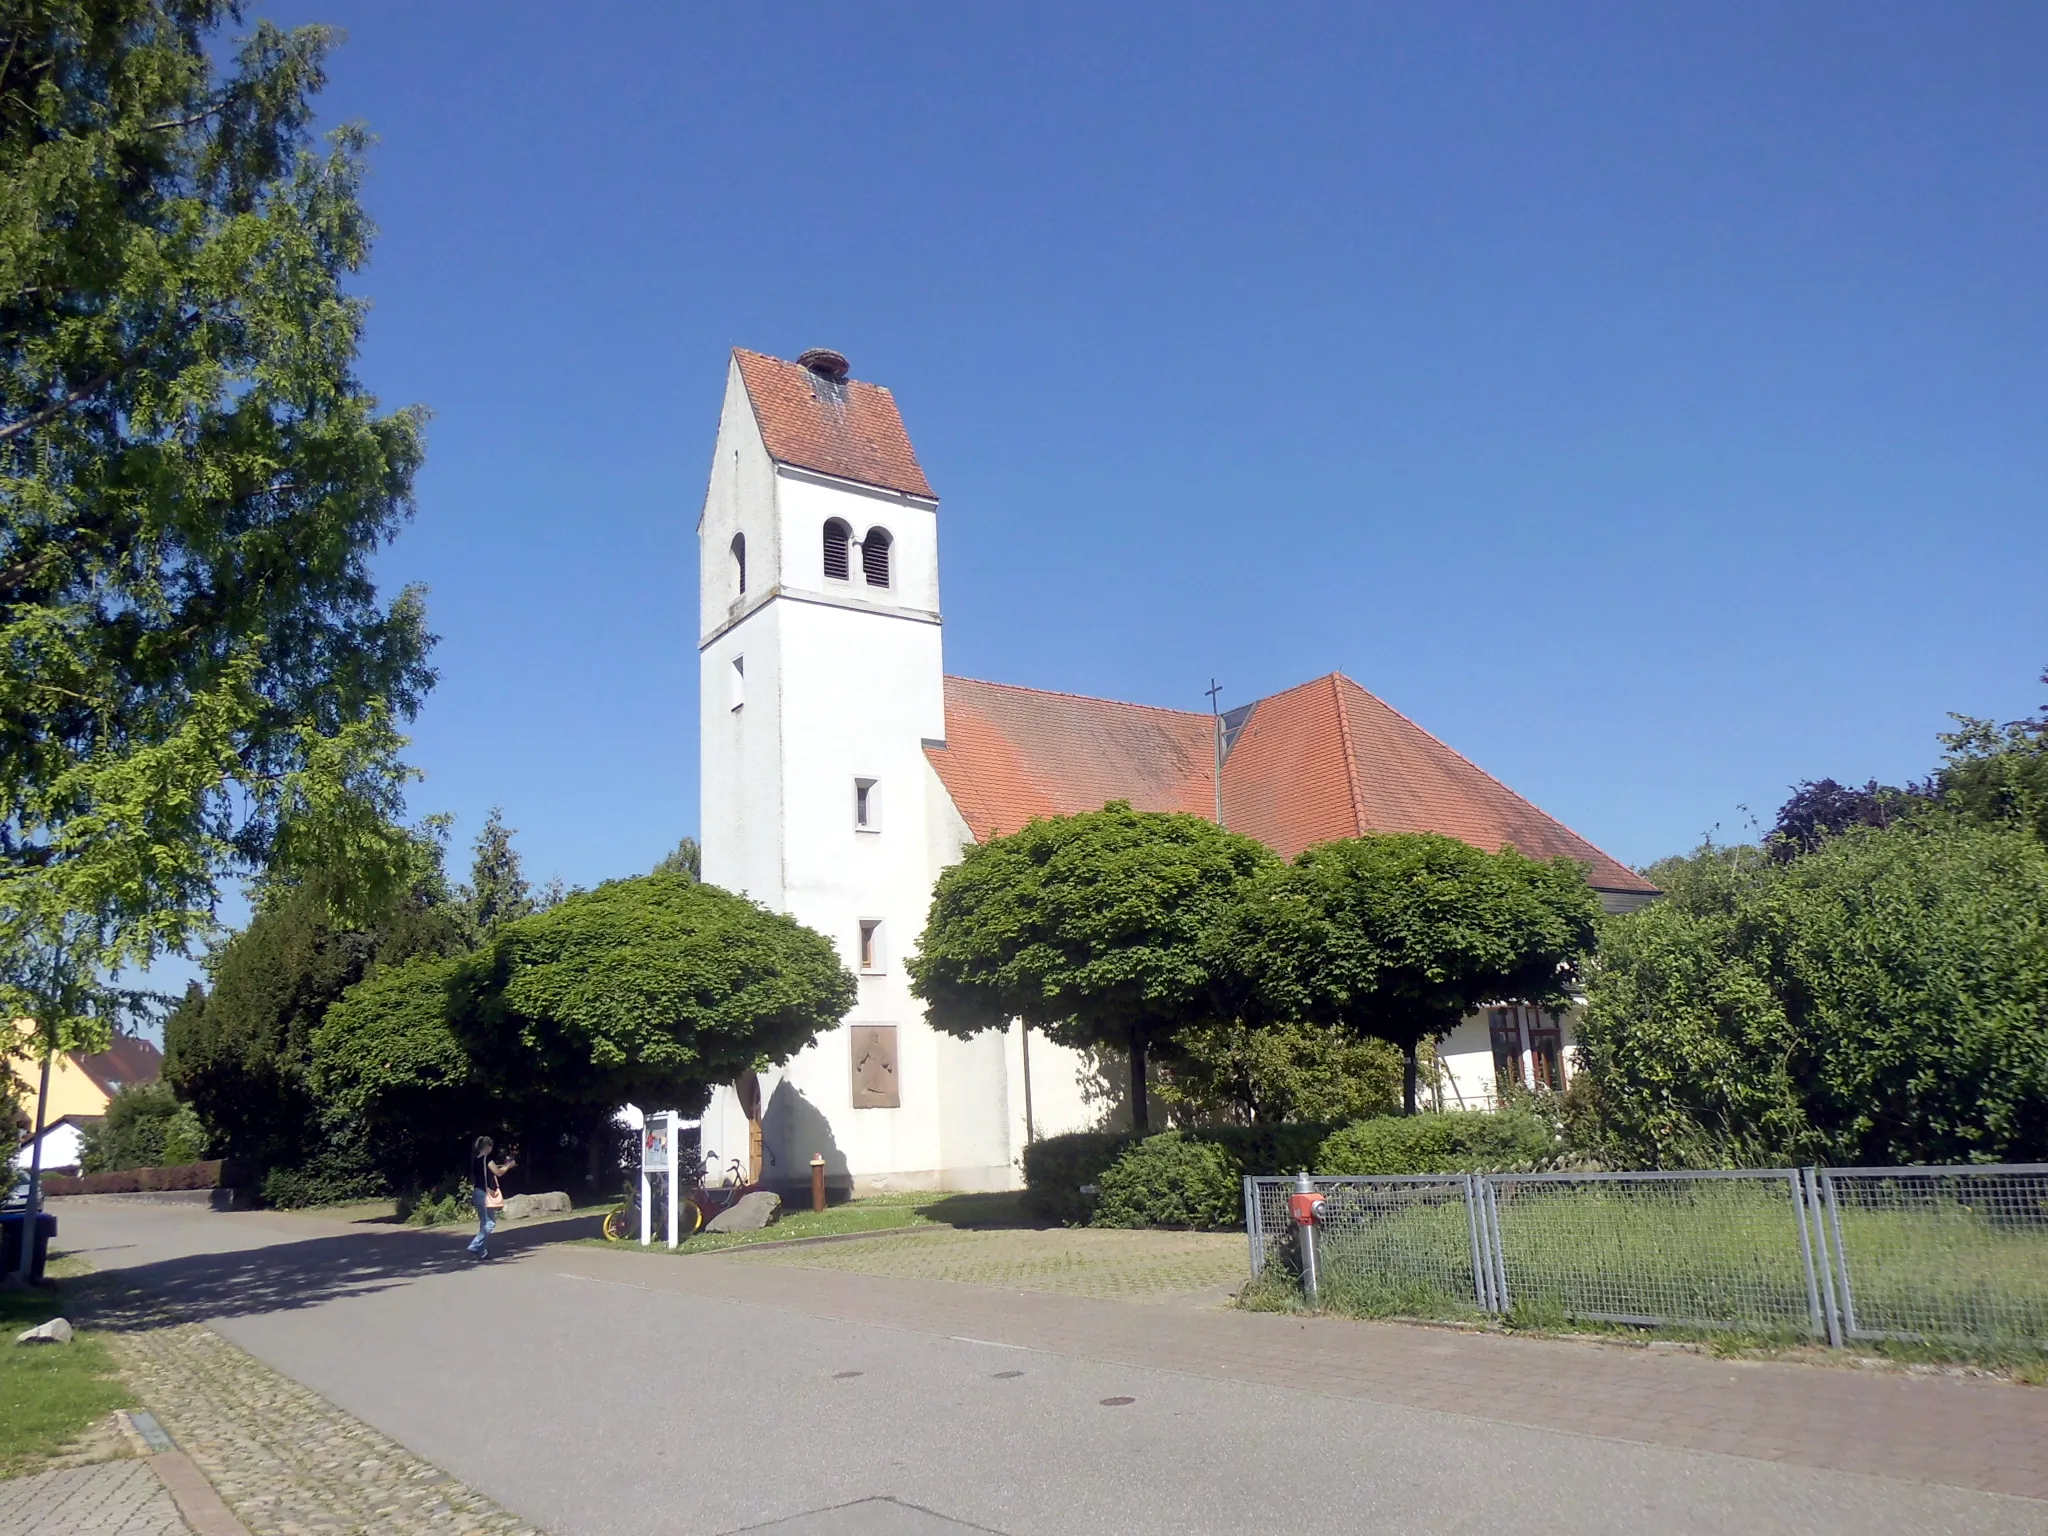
(1305, 1205)
(1306, 1209)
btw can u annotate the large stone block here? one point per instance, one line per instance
(55, 1331)
(749, 1214)
(518, 1207)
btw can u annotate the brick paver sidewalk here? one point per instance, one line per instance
(1110, 1265)
(108, 1498)
(289, 1462)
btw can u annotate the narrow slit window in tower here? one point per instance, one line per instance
(739, 561)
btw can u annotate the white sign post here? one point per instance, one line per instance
(658, 1160)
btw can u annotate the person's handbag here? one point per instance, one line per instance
(494, 1199)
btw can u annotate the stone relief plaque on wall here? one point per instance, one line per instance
(874, 1066)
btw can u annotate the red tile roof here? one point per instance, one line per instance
(128, 1061)
(1321, 761)
(853, 431)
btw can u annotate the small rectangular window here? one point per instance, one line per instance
(871, 957)
(867, 806)
(739, 681)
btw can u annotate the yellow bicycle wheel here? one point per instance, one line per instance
(616, 1225)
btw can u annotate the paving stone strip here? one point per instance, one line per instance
(112, 1498)
(287, 1461)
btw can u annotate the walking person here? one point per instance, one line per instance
(484, 1192)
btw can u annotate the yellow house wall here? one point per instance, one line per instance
(71, 1091)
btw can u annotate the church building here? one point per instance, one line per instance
(843, 770)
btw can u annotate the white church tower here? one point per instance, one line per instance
(821, 683)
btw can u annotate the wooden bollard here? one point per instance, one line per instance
(817, 1181)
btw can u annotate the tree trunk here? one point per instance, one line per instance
(1410, 1072)
(1141, 1120)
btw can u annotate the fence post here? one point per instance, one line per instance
(1482, 1281)
(1252, 1229)
(1500, 1258)
(1827, 1185)
(1815, 1318)
(1305, 1236)
(1812, 1215)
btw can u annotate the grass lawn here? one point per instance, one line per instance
(876, 1213)
(49, 1393)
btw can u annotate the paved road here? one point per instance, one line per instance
(601, 1392)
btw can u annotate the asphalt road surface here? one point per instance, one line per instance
(603, 1393)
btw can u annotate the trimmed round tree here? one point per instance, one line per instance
(648, 990)
(1398, 937)
(1088, 927)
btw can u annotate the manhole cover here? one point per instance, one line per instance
(1117, 1402)
(1006, 1375)
(846, 1375)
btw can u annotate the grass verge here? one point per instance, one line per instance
(50, 1394)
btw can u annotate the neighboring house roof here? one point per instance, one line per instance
(1321, 761)
(128, 1061)
(837, 427)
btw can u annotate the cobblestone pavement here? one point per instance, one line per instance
(1105, 1265)
(109, 1498)
(288, 1462)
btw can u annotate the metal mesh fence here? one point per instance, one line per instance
(1386, 1246)
(1939, 1253)
(1957, 1253)
(1712, 1249)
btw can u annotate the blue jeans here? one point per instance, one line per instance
(486, 1223)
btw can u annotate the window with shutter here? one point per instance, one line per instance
(838, 557)
(874, 557)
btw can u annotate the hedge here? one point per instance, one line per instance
(1455, 1141)
(1058, 1168)
(129, 1181)
(1174, 1179)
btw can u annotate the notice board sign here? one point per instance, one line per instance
(655, 1140)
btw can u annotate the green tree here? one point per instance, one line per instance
(497, 892)
(1883, 999)
(1087, 927)
(648, 990)
(1398, 937)
(686, 859)
(196, 673)
(1287, 1071)
(241, 1054)
(655, 988)
(1999, 772)
(144, 1127)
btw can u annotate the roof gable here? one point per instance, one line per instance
(850, 430)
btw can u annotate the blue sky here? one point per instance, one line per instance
(1648, 400)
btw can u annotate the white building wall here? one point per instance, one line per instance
(1466, 1078)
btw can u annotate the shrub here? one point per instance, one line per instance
(1458, 1141)
(144, 1127)
(1173, 1179)
(212, 1175)
(448, 1200)
(1057, 1167)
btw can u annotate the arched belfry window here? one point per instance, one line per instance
(739, 562)
(838, 551)
(874, 557)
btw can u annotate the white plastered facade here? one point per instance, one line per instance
(810, 685)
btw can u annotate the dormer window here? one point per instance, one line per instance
(874, 557)
(739, 562)
(838, 551)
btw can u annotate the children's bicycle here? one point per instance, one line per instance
(701, 1202)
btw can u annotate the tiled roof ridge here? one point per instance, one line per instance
(1084, 698)
(1504, 787)
(1335, 679)
(858, 436)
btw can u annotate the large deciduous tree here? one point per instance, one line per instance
(1088, 927)
(1398, 937)
(197, 674)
